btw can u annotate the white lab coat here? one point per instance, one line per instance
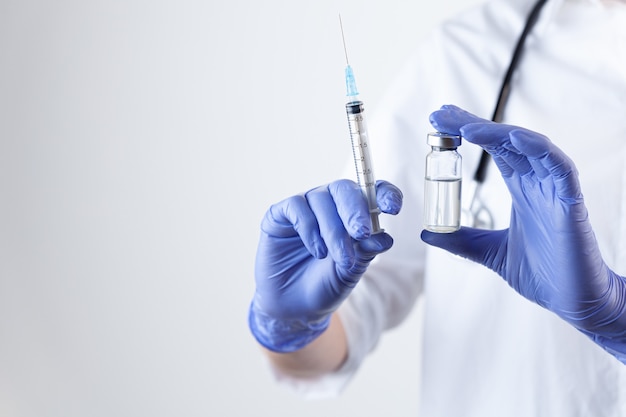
(486, 350)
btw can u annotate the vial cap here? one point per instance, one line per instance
(443, 140)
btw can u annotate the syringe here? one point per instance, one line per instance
(360, 144)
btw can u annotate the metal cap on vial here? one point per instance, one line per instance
(443, 140)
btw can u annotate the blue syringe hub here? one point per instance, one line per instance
(351, 83)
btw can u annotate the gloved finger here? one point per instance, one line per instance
(389, 197)
(540, 171)
(331, 226)
(505, 169)
(486, 247)
(516, 164)
(374, 245)
(352, 208)
(553, 160)
(292, 217)
(368, 249)
(520, 138)
(495, 138)
(450, 119)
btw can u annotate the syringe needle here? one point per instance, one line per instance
(350, 82)
(345, 50)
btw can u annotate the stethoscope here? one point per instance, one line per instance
(478, 214)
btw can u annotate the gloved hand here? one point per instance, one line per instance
(549, 253)
(313, 250)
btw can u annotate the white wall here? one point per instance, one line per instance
(140, 143)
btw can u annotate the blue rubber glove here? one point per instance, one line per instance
(313, 250)
(549, 253)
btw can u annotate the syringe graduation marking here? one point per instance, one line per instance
(358, 136)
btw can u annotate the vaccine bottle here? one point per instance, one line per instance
(442, 188)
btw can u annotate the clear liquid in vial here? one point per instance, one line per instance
(442, 205)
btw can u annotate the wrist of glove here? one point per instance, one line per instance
(603, 322)
(284, 335)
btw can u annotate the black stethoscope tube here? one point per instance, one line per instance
(505, 89)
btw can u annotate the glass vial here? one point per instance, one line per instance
(442, 188)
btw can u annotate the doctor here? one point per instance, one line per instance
(326, 290)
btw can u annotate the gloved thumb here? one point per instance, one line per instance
(487, 247)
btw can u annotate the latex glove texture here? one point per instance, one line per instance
(313, 250)
(549, 253)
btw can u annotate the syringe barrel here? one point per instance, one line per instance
(362, 159)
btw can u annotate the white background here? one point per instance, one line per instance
(141, 141)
